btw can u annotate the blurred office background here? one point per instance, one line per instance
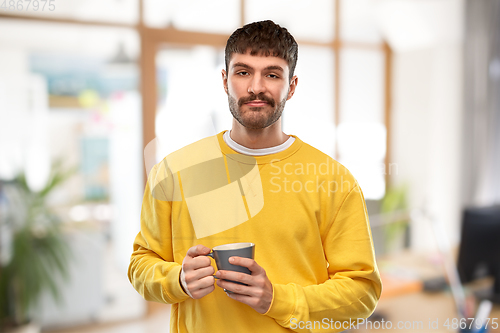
(405, 93)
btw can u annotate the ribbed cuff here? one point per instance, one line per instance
(283, 303)
(173, 287)
(183, 283)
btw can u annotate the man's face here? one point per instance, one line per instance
(257, 88)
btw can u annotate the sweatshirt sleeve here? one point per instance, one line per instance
(354, 286)
(152, 270)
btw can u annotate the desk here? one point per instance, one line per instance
(420, 311)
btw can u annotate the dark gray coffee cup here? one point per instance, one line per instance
(222, 253)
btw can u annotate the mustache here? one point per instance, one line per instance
(254, 97)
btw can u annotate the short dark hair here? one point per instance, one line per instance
(263, 38)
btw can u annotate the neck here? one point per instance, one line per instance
(258, 138)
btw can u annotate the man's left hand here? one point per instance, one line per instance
(258, 293)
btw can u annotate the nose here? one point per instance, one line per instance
(256, 85)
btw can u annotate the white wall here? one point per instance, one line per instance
(427, 118)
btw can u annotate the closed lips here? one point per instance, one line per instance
(256, 103)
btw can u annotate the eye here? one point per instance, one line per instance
(242, 73)
(273, 76)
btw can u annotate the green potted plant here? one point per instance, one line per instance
(37, 251)
(394, 207)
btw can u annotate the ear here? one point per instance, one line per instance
(293, 85)
(224, 80)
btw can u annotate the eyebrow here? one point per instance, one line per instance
(272, 67)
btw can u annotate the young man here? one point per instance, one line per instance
(314, 267)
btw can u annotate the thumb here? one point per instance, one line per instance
(198, 250)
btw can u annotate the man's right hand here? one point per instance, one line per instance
(198, 271)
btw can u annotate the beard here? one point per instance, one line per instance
(256, 117)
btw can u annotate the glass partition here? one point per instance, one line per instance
(192, 102)
(362, 131)
(69, 93)
(309, 114)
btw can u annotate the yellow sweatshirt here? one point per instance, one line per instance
(305, 213)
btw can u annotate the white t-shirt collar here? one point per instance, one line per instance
(256, 152)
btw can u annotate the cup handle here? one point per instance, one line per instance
(211, 255)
